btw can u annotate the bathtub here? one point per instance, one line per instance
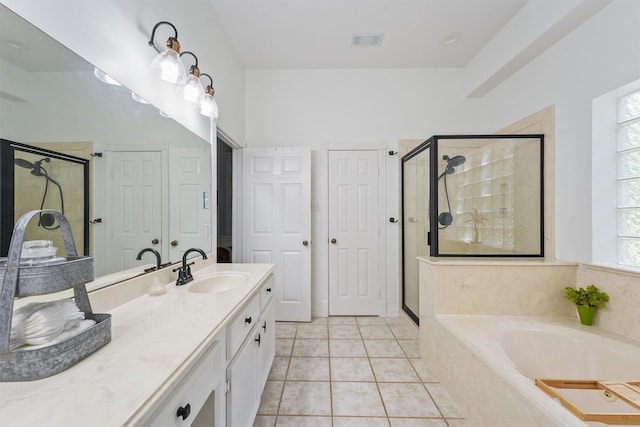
(489, 363)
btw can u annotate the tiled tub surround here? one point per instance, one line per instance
(466, 305)
(353, 371)
(504, 391)
(155, 342)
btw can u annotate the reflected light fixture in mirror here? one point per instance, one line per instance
(209, 107)
(167, 63)
(104, 77)
(138, 98)
(193, 90)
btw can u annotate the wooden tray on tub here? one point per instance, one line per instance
(627, 391)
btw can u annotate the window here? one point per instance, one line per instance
(628, 180)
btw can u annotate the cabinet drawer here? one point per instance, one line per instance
(266, 291)
(241, 324)
(193, 390)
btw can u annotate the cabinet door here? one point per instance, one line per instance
(267, 347)
(243, 398)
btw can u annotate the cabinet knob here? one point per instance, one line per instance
(247, 320)
(174, 243)
(305, 242)
(184, 411)
(268, 290)
(258, 340)
(155, 241)
(334, 241)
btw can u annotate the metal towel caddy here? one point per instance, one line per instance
(25, 364)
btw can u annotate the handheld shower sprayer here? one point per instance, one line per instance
(445, 219)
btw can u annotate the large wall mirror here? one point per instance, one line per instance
(150, 178)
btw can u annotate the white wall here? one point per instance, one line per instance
(601, 55)
(319, 107)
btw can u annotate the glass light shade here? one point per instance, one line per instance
(209, 107)
(169, 66)
(193, 90)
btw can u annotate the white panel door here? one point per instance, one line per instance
(276, 204)
(135, 212)
(190, 200)
(354, 280)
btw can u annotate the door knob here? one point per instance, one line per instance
(174, 243)
(155, 241)
(305, 242)
(334, 241)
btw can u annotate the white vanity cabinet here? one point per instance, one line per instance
(199, 399)
(250, 364)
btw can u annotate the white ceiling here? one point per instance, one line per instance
(294, 34)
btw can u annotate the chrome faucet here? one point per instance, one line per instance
(184, 271)
(156, 253)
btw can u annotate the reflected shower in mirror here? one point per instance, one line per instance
(141, 164)
(34, 179)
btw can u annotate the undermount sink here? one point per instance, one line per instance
(219, 281)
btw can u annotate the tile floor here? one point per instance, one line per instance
(352, 371)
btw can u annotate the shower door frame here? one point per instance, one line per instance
(7, 189)
(434, 195)
(411, 154)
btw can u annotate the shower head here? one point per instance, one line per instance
(445, 219)
(452, 162)
(24, 163)
(36, 168)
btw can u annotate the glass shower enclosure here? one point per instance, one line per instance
(470, 196)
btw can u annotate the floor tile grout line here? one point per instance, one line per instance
(368, 356)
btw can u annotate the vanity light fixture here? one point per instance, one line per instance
(193, 90)
(167, 63)
(208, 106)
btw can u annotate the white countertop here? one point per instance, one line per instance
(154, 341)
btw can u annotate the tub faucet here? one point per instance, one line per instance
(156, 253)
(184, 271)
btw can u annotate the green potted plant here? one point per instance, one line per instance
(587, 301)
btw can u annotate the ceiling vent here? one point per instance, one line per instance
(372, 39)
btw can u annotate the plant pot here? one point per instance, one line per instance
(586, 314)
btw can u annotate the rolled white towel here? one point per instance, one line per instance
(39, 323)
